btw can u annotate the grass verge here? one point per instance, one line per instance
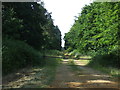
(108, 70)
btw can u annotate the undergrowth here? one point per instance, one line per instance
(106, 64)
(17, 54)
(52, 53)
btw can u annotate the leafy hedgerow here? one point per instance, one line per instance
(95, 33)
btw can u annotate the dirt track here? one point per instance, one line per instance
(65, 78)
(85, 78)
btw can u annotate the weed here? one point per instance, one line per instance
(49, 70)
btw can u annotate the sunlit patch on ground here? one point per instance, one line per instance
(37, 69)
(84, 77)
(93, 75)
(100, 81)
(80, 77)
(65, 61)
(73, 84)
(82, 62)
(30, 78)
(92, 83)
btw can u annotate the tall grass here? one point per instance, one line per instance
(49, 70)
(108, 63)
(17, 54)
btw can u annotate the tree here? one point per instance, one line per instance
(30, 22)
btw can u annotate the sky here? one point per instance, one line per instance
(64, 12)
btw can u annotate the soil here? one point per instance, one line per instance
(85, 78)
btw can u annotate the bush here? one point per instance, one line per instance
(17, 54)
(106, 60)
(69, 49)
(52, 53)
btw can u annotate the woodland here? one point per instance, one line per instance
(32, 55)
(96, 33)
(28, 30)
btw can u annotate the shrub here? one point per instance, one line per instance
(17, 54)
(69, 49)
(107, 60)
(52, 52)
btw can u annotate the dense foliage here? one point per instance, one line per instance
(18, 54)
(27, 30)
(30, 22)
(95, 32)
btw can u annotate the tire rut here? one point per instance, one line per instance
(85, 78)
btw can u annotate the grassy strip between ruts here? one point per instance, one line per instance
(73, 65)
(49, 71)
(44, 76)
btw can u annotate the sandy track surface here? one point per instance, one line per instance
(65, 77)
(85, 78)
